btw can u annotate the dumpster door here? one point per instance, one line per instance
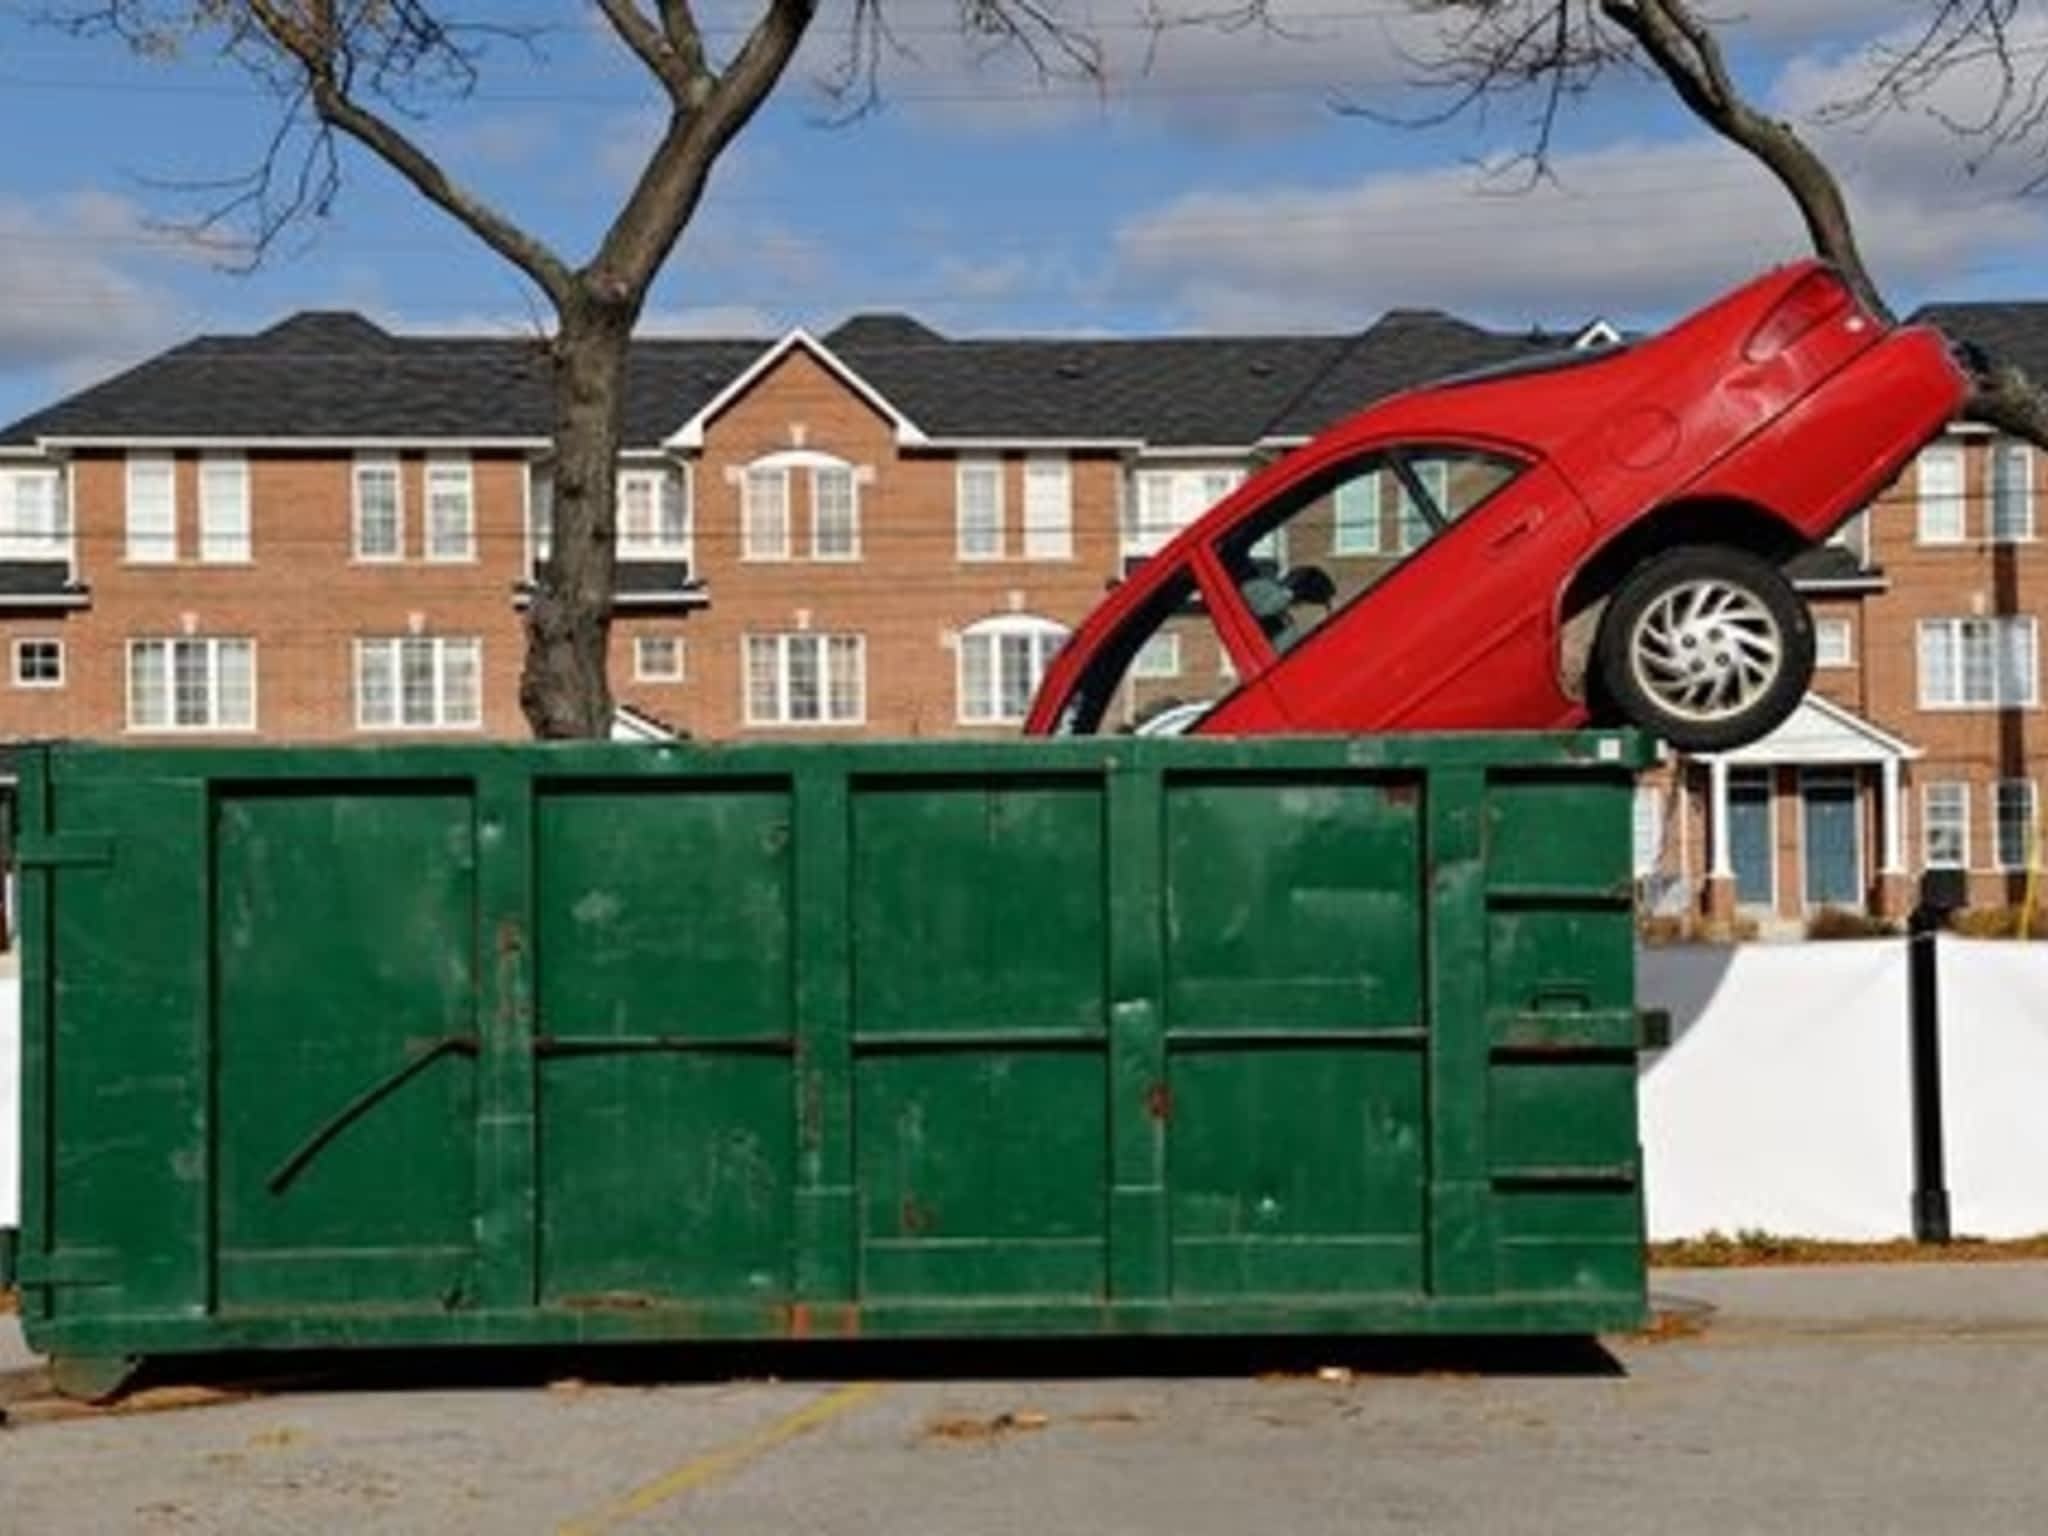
(344, 928)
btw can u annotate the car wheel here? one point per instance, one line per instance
(1707, 646)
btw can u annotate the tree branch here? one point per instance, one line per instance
(1685, 51)
(714, 109)
(649, 44)
(316, 39)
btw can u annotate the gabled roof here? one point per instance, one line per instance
(1822, 731)
(691, 433)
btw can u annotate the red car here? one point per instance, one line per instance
(1594, 538)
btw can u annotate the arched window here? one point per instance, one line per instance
(1002, 660)
(765, 513)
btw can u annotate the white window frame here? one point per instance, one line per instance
(2029, 825)
(213, 725)
(377, 462)
(1950, 502)
(21, 645)
(393, 647)
(1951, 697)
(457, 469)
(818, 551)
(1048, 507)
(225, 529)
(751, 547)
(1835, 624)
(2004, 454)
(1961, 788)
(1044, 637)
(786, 643)
(665, 486)
(1365, 540)
(642, 673)
(1157, 672)
(152, 545)
(964, 470)
(18, 542)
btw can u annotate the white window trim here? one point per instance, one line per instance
(682, 669)
(213, 643)
(978, 464)
(659, 478)
(2000, 449)
(1373, 540)
(823, 639)
(392, 462)
(240, 463)
(1959, 705)
(132, 554)
(2032, 824)
(1054, 539)
(59, 545)
(994, 630)
(1927, 823)
(1143, 674)
(444, 463)
(852, 555)
(748, 551)
(1948, 453)
(1848, 628)
(398, 725)
(40, 682)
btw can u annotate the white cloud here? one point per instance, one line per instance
(79, 301)
(1636, 229)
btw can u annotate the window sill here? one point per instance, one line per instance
(807, 725)
(2022, 707)
(177, 731)
(361, 559)
(468, 559)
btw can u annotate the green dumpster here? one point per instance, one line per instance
(522, 1044)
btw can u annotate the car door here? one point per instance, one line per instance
(1410, 584)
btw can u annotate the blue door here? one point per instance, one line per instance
(1832, 846)
(1749, 836)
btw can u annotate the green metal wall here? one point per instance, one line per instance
(546, 1043)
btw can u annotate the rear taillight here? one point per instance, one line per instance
(1812, 301)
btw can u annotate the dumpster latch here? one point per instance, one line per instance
(1655, 1028)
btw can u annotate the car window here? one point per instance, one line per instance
(1158, 673)
(1334, 537)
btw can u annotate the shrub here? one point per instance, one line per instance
(1837, 923)
(1998, 923)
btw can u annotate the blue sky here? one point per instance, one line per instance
(1214, 190)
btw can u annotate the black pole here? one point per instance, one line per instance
(1930, 1176)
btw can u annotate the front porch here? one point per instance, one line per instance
(1811, 817)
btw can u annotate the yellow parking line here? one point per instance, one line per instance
(711, 1466)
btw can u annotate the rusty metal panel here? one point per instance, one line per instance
(523, 1044)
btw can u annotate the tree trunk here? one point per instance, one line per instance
(565, 687)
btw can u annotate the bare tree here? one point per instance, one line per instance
(1486, 50)
(369, 70)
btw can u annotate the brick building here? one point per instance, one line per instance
(326, 532)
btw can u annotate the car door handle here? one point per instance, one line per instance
(1520, 528)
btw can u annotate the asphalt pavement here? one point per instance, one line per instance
(1901, 1398)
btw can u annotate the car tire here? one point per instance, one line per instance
(1707, 646)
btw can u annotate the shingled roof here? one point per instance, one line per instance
(2008, 331)
(334, 375)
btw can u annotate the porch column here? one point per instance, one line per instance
(1720, 858)
(1894, 828)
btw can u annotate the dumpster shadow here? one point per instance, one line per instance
(1036, 1360)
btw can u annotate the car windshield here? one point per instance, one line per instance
(1337, 535)
(1158, 673)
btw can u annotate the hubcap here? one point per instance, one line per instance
(1706, 650)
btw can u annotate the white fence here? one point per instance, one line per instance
(1783, 1103)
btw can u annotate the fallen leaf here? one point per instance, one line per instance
(283, 1435)
(1337, 1375)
